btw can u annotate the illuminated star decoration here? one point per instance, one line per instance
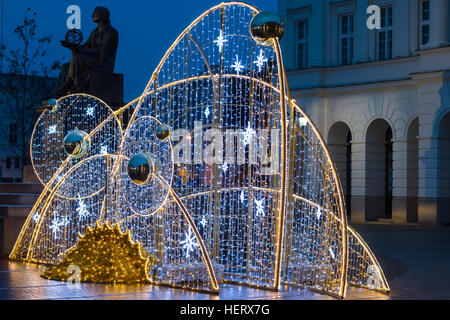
(203, 222)
(220, 41)
(237, 66)
(260, 60)
(57, 223)
(207, 112)
(259, 207)
(225, 167)
(319, 212)
(249, 131)
(82, 209)
(104, 149)
(36, 217)
(90, 111)
(52, 129)
(189, 243)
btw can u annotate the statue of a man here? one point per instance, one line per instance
(97, 54)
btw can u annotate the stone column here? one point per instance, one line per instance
(428, 192)
(400, 181)
(438, 23)
(358, 182)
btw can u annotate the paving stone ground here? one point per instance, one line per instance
(416, 262)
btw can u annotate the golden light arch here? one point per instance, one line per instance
(245, 192)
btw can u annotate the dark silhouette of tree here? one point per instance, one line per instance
(23, 86)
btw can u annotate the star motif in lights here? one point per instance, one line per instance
(248, 133)
(319, 212)
(90, 111)
(302, 121)
(82, 209)
(207, 112)
(220, 41)
(225, 167)
(259, 207)
(260, 60)
(189, 243)
(237, 66)
(203, 222)
(36, 217)
(104, 149)
(52, 129)
(57, 223)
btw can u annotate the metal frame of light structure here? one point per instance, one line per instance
(210, 222)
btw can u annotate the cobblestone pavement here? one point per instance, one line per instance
(415, 260)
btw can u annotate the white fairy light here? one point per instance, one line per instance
(302, 121)
(259, 207)
(331, 253)
(260, 60)
(52, 129)
(242, 196)
(237, 66)
(220, 41)
(189, 243)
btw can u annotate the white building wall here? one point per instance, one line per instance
(414, 84)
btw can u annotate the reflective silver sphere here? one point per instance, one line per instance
(51, 104)
(141, 168)
(76, 144)
(266, 26)
(163, 132)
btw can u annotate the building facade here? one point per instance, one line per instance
(18, 119)
(380, 98)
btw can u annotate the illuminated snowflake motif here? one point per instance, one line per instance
(259, 207)
(36, 217)
(57, 223)
(90, 111)
(203, 222)
(237, 66)
(220, 41)
(207, 112)
(189, 243)
(82, 209)
(225, 167)
(319, 212)
(260, 60)
(52, 129)
(104, 149)
(248, 133)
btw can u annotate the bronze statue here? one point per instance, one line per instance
(97, 54)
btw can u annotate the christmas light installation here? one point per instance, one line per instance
(235, 183)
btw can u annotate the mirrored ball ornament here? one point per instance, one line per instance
(51, 104)
(266, 26)
(76, 143)
(163, 132)
(141, 168)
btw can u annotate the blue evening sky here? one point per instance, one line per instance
(146, 29)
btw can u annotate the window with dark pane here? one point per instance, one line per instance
(346, 35)
(385, 34)
(302, 44)
(425, 23)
